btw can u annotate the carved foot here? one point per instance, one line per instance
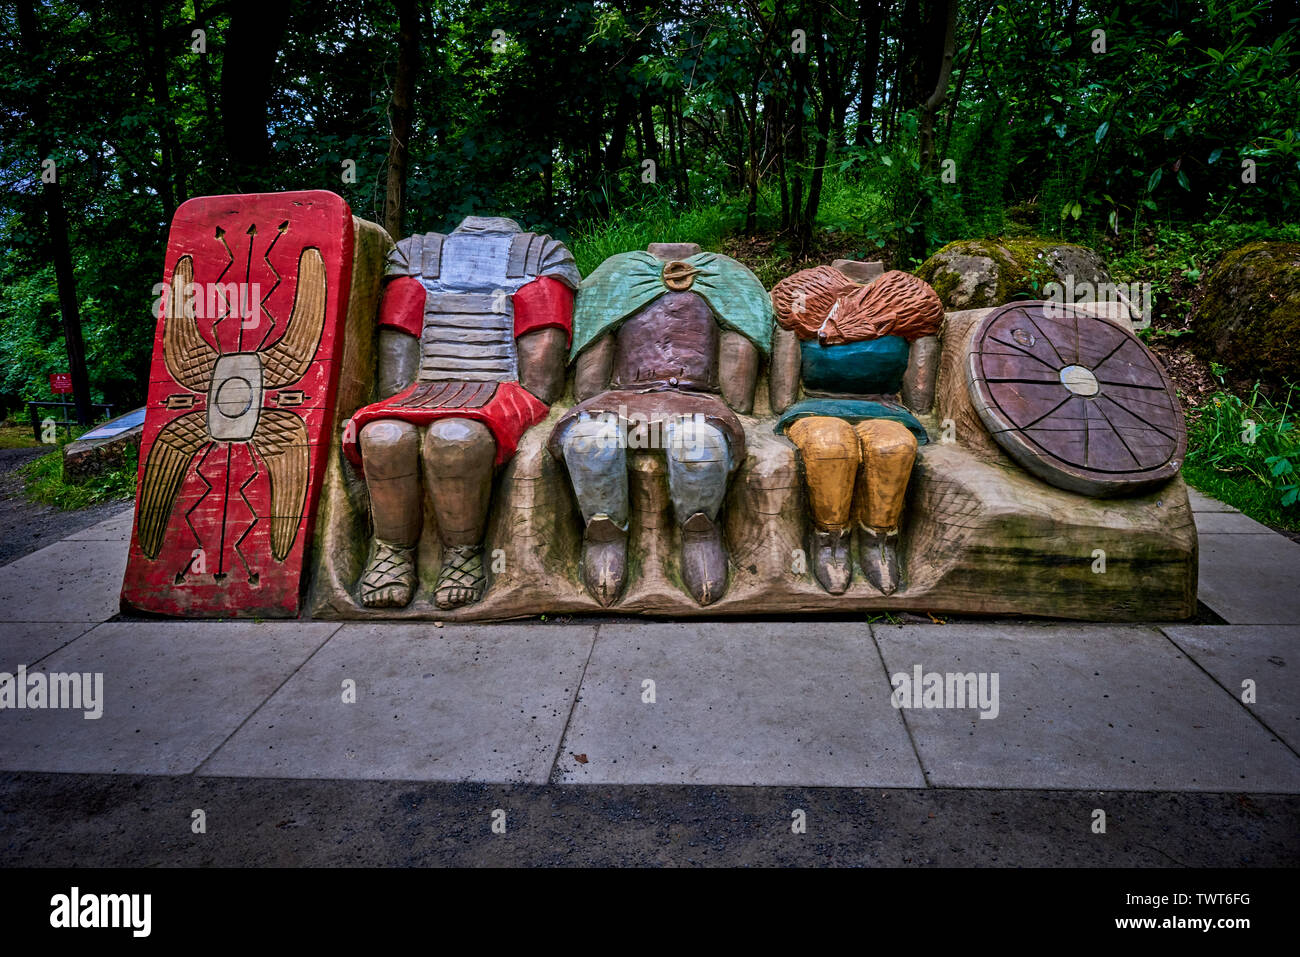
(704, 560)
(878, 555)
(461, 580)
(831, 564)
(389, 578)
(604, 559)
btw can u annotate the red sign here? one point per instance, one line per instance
(61, 382)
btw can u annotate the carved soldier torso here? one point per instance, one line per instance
(672, 343)
(469, 277)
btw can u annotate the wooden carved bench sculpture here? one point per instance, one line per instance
(1018, 460)
(979, 533)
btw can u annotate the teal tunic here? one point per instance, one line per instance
(871, 367)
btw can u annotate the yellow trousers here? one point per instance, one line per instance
(855, 472)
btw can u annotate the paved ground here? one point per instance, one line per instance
(694, 742)
(30, 527)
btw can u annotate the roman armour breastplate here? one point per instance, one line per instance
(671, 343)
(469, 279)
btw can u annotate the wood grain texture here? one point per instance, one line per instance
(1076, 399)
(982, 538)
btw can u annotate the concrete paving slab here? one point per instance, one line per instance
(171, 693)
(737, 703)
(27, 642)
(1250, 579)
(1228, 523)
(115, 529)
(1203, 503)
(68, 581)
(1104, 707)
(458, 703)
(1268, 655)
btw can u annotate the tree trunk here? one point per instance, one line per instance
(172, 181)
(867, 69)
(822, 110)
(257, 29)
(56, 215)
(939, 94)
(399, 116)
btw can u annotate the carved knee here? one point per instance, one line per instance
(595, 442)
(699, 462)
(389, 448)
(885, 438)
(454, 447)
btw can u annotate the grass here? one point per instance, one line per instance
(655, 221)
(1246, 452)
(43, 483)
(17, 437)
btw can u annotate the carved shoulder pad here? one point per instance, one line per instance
(533, 255)
(419, 256)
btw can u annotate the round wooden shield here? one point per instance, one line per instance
(1075, 399)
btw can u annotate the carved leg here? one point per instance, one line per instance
(597, 463)
(888, 452)
(458, 459)
(390, 452)
(831, 457)
(699, 463)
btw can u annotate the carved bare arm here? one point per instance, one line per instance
(401, 319)
(594, 366)
(399, 361)
(737, 371)
(541, 362)
(783, 378)
(922, 372)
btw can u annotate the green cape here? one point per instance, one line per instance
(625, 283)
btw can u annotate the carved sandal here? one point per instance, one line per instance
(461, 580)
(389, 578)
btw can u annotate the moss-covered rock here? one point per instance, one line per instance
(977, 273)
(1250, 317)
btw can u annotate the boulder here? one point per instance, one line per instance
(978, 273)
(1250, 317)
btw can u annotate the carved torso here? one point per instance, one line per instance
(671, 343)
(469, 278)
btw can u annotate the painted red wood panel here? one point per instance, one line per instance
(241, 400)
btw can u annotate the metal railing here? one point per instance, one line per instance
(68, 423)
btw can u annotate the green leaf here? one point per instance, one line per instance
(1214, 156)
(887, 160)
(1183, 181)
(1101, 131)
(1076, 211)
(1154, 181)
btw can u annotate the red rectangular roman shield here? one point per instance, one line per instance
(241, 397)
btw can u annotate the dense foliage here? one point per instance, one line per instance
(907, 123)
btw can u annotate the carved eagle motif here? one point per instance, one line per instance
(234, 405)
